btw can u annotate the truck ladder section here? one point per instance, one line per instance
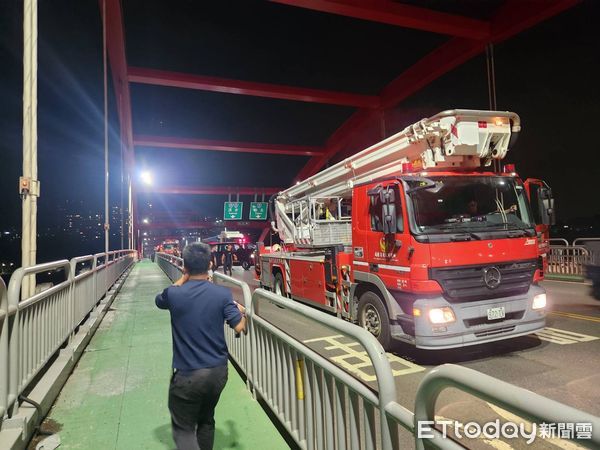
(453, 138)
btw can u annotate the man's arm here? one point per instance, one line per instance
(241, 327)
(233, 315)
(182, 279)
(162, 299)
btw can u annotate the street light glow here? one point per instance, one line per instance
(146, 220)
(146, 177)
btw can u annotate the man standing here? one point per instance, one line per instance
(227, 260)
(198, 310)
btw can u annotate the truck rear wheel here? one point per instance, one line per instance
(278, 285)
(373, 317)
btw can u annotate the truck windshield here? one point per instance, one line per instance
(468, 203)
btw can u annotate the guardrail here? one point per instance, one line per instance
(3, 348)
(525, 404)
(567, 260)
(170, 264)
(324, 407)
(239, 346)
(32, 330)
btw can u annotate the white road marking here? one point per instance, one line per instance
(361, 361)
(563, 337)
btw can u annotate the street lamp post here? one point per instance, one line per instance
(29, 189)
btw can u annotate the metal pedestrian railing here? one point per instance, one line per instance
(3, 348)
(525, 404)
(239, 345)
(567, 260)
(570, 260)
(32, 330)
(170, 264)
(324, 407)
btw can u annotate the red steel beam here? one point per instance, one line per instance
(406, 16)
(225, 146)
(115, 45)
(511, 18)
(228, 86)
(209, 190)
(259, 224)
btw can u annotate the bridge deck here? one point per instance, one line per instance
(116, 398)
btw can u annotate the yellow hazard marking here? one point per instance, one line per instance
(354, 361)
(575, 316)
(300, 379)
(563, 337)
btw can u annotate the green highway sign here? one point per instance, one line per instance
(258, 211)
(233, 210)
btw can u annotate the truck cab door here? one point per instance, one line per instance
(387, 239)
(542, 205)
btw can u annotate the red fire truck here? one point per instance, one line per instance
(169, 246)
(417, 238)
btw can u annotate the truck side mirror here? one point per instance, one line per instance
(546, 206)
(388, 213)
(388, 210)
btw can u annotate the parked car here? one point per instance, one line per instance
(243, 254)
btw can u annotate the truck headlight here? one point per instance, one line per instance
(441, 315)
(539, 301)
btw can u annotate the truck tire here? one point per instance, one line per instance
(245, 265)
(373, 317)
(278, 285)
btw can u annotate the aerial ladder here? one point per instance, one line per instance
(452, 139)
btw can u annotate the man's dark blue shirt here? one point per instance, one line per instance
(198, 310)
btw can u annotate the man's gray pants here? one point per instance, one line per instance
(193, 396)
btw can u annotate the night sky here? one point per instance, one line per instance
(548, 74)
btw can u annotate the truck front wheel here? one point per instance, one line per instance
(373, 317)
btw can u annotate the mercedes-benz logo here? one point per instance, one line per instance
(492, 277)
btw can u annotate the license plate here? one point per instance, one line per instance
(496, 313)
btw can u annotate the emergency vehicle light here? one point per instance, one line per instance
(407, 167)
(510, 168)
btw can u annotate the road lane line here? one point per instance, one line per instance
(360, 359)
(575, 316)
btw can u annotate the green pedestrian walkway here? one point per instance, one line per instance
(116, 398)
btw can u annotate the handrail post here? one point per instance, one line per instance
(4, 322)
(14, 292)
